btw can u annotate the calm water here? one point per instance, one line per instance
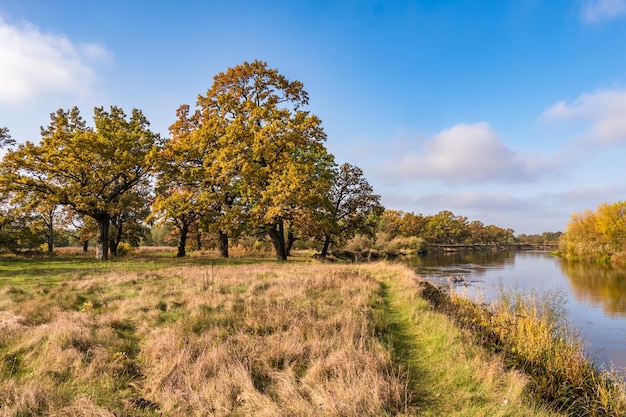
(596, 295)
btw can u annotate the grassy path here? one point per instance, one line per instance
(448, 374)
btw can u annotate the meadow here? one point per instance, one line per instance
(154, 336)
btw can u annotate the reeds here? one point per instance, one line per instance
(529, 330)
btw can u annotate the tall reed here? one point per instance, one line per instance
(529, 329)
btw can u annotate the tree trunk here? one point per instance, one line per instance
(102, 238)
(85, 245)
(182, 240)
(325, 248)
(199, 238)
(50, 234)
(116, 237)
(276, 233)
(113, 246)
(223, 244)
(291, 238)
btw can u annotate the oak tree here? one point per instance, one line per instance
(269, 151)
(187, 192)
(86, 168)
(351, 207)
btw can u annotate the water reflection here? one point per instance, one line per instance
(597, 285)
(474, 264)
(438, 260)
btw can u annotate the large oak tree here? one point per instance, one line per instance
(86, 168)
(261, 156)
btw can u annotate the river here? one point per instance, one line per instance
(595, 294)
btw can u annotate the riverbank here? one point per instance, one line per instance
(477, 247)
(449, 374)
(529, 331)
(147, 338)
(375, 254)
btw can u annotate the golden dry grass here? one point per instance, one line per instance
(268, 339)
(260, 340)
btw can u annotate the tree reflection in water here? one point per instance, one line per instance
(598, 285)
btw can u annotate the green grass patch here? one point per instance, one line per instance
(449, 375)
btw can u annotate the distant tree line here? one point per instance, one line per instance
(398, 229)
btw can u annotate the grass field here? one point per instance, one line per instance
(153, 336)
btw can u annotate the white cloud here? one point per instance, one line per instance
(603, 111)
(470, 199)
(594, 11)
(35, 64)
(465, 154)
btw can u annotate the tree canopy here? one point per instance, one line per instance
(86, 168)
(249, 154)
(597, 236)
(350, 207)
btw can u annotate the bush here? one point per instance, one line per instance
(402, 244)
(124, 249)
(359, 243)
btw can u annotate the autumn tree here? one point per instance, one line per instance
(128, 218)
(268, 158)
(390, 222)
(177, 207)
(611, 225)
(350, 207)
(446, 228)
(187, 191)
(86, 168)
(47, 213)
(20, 228)
(84, 228)
(597, 236)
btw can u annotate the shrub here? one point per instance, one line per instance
(124, 249)
(359, 243)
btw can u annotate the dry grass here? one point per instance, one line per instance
(260, 340)
(265, 340)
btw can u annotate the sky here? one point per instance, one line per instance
(510, 112)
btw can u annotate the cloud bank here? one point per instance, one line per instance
(33, 63)
(603, 111)
(466, 154)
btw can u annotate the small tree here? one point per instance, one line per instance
(350, 207)
(127, 218)
(19, 227)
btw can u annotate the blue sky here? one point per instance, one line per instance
(508, 112)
